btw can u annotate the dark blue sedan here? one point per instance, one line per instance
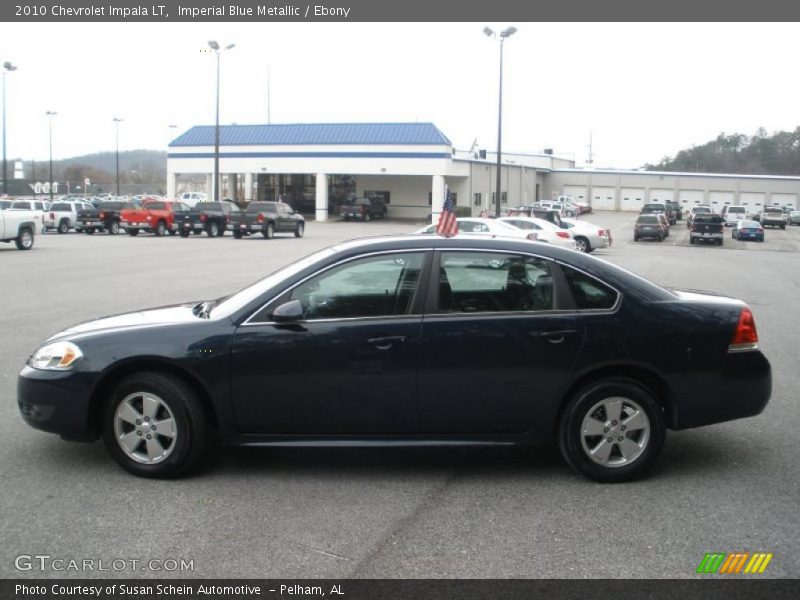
(415, 340)
(748, 230)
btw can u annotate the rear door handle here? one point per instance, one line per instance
(386, 342)
(556, 337)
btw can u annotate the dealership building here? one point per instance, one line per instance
(315, 167)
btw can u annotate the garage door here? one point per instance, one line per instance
(604, 198)
(578, 192)
(688, 198)
(661, 195)
(752, 201)
(784, 200)
(631, 199)
(719, 199)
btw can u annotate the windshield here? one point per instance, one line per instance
(245, 296)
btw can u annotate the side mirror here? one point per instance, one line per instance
(288, 312)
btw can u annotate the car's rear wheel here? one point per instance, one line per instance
(161, 229)
(63, 226)
(269, 231)
(213, 229)
(367, 217)
(113, 228)
(184, 233)
(89, 231)
(299, 230)
(237, 234)
(612, 430)
(154, 425)
(132, 231)
(583, 245)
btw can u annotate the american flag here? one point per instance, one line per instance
(447, 226)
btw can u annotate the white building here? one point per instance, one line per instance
(408, 165)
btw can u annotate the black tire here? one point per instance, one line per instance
(237, 235)
(113, 228)
(367, 217)
(25, 239)
(269, 231)
(783, 226)
(89, 231)
(160, 229)
(179, 404)
(576, 450)
(719, 242)
(691, 240)
(196, 232)
(636, 238)
(346, 218)
(184, 233)
(171, 232)
(661, 237)
(132, 231)
(63, 226)
(212, 229)
(583, 245)
(299, 230)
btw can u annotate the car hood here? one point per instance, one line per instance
(165, 315)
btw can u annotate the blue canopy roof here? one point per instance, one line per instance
(314, 134)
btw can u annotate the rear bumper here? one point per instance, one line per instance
(709, 236)
(742, 388)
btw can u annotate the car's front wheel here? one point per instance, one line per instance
(612, 430)
(154, 425)
(299, 230)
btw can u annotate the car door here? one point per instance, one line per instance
(348, 366)
(497, 343)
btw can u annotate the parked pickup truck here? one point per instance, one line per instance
(267, 218)
(211, 217)
(154, 216)
(363, 208)
(18, 226)
(707, 227)
(63, 215)
(654, 207)
(773, 216)
(106, 217)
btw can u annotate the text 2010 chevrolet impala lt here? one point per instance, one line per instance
(409, 339)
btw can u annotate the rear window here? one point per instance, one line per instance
(255, 207)
(701, 209)
(647, 219)
(21, 205)
(155, 206)
(61, 206)
(708, 218)
(208, 206)
(736, 209)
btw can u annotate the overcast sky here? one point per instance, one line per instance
(644, 91)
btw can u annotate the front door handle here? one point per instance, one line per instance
(386, 342)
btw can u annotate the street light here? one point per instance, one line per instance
(216, 48)
(508, 32)
(7, 66)
(117, 121)
(51, 114)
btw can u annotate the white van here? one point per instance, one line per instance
(733, 214)
(192, 198)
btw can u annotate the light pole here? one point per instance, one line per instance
(51, 114)
(7, 66)
(117, 121)
(216, 48)
(507, 32)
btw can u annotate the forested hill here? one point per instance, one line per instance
(761, 154)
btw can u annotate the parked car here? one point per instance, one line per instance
(19, 226)
(695, 210)
(773, 216)
(794, 217)
(267, 218)
(211, 217)
(408, 340)
(482, 227)
(676, 208)
(656, 208)
(364, 209)
(106, 217)
(733, 214)
(649, 226)
(63, 215)
(154, 216)
(191, 199)
(748, 230)
(707, 227)
(545, 230)
(587, 237)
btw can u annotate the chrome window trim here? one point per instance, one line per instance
(247, 322)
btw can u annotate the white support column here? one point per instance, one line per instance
(172, 185)
(322, 197)
(437, 197)
(248, 187)
(209, 189)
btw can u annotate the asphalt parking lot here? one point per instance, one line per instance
(395, 513)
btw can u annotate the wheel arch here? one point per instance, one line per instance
(641, 375)
(120, 370)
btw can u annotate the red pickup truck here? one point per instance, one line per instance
(155, 216)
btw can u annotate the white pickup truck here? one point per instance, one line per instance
(18, 226)
(63, 215)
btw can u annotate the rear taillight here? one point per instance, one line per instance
(745, 337)
(202, 218)
(260, 218)
(363, 209)
(562, 234)
(102, 215)
(601, 233)
(52, 217)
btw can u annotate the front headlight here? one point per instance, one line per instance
(58, 356)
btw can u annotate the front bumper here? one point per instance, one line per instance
(56, 402)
